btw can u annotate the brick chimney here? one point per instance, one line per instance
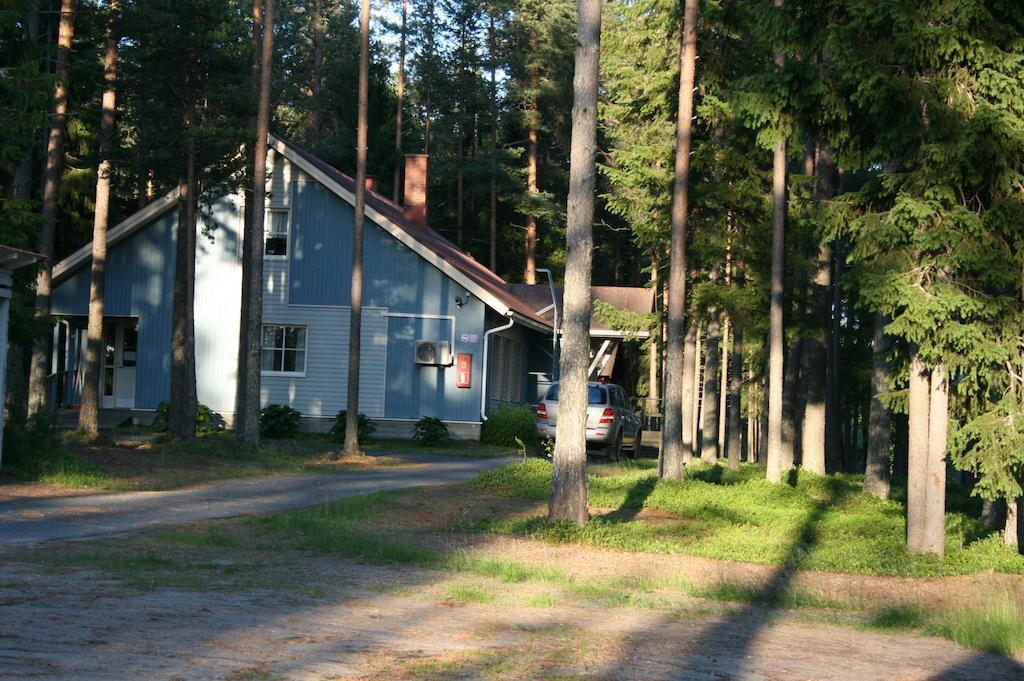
(371, 183)
(415, 206)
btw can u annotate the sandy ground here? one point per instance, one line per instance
(256, 608)
(349, 620)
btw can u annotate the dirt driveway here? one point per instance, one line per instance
(198, 605)
(36, 517)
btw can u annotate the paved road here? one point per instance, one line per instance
(61, 518)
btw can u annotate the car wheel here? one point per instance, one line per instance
(615, 450)
(635, 451)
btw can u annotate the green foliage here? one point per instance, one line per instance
(279, 421)
(365, 427)
(996, 625)
(511, 427)
(430, 431)
(207, 420)
(33, 451)
(816, 522)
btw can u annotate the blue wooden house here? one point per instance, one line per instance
(443, 336)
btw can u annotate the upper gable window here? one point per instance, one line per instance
(275, 233)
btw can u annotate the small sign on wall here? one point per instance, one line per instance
(464, 370)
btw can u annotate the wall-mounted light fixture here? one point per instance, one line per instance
(462, 300)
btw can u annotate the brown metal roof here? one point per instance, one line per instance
(12, 258)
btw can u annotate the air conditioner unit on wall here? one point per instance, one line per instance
(433, 353)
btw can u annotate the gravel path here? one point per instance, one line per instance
(90, 629)
(30, 521)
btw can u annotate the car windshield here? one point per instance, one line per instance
(595, 394)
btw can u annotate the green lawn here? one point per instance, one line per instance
(814, 522)
(63, 459)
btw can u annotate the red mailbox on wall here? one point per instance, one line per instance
(464, 370)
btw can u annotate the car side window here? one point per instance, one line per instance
(619, 402)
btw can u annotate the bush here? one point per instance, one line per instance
(511, 427)
(430, 431)
(207, 420)
(33, 451)
(279, 421)
(365, 428)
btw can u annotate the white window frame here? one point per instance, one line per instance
(305, 351)
(287, 232)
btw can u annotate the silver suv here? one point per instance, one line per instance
(611, 423)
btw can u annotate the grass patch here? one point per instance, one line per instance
(996, 627)
(211, 537)
(68, 460)
(903, 617)
(816, 522)
(467, 593)
(54, 464)
(459, 448)
(786, 598)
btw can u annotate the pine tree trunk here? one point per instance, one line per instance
(21, 180)
(356, 318)
(815, 367)
(37, 385)
(530, 271)
(833, 430)
(689, 404)
(317, 30)
(399, 101)
(250, 240)
(776, 336)
(88, 416)
(181, 417)
(569, 470)
(723, 382)
(1014, 522)
(698, 404)
(709, 432)
(654, 349)
(935, 492)
(876, 470)
(460, 190)
(428, 76)
(247, 409)
(674, 452)
(734, 433)
(917, 452)
(992, 514)
(762, 427)
(492, 40)
(790, 401)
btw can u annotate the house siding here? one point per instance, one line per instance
(405, 299)
(139, 283)
(398, 282)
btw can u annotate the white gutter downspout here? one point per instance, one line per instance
(483, 380)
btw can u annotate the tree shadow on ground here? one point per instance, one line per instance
(725, 649)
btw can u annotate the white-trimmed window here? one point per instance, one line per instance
(275, 233)
(284, 349)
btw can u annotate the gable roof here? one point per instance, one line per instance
(429, 244)
(491, 289)
(119, 232)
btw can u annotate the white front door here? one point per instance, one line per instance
(120, 354)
